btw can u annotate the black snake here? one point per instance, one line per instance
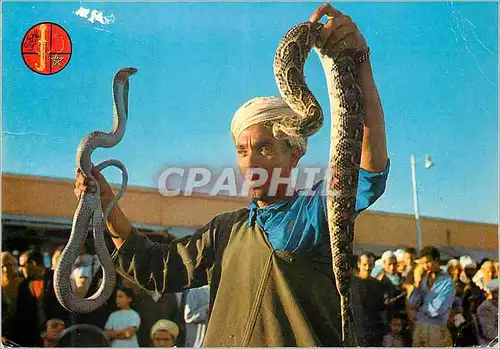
(346, 103)
(89, 207)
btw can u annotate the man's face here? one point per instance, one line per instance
(27, 269)
(409, 258)
(365, 266)
(257, 148)
(455, 271)
(429, 264)
(8, 267)
(401, 266)
(469, 272)
(390, 265)
(163, 339)
(55, 259)
(81, 277)
(487, 270)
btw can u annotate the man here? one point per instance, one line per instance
(400, 258)
(469, 288)
(268, 266)
(389, 273)
(10, 287)
(409, 259)
(164, 334)
(484, 275)
(456, 318)
(36, 301)
(431, 296)
(487, 315)
(368, 304)
(470, 296)
(391, 285)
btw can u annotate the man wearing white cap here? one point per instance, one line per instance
(390, 264)
(268, 265)
(391, 283)
(164, 334)
(469, 288)
(400, 258)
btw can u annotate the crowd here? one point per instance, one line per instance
(402, 299)
(132, 317)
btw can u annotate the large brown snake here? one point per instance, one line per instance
(346, 103)
(89, 207)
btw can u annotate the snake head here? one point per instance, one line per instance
(123, 74)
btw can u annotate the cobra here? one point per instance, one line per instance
(89, 207)
(346, 104)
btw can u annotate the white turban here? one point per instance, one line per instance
(387, 255)
(266, 109)
(167, 325)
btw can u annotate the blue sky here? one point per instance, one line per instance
(435, 65)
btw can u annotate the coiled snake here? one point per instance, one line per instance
(89, 207)
(346, 103)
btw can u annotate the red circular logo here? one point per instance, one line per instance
(46, 48)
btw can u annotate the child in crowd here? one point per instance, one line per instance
(122, 324)
(164, 334)
(53, 329)
(394, 338)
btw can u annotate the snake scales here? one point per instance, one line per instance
(89, 207)
(346, 103)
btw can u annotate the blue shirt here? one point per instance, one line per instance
(299, 223)
(433, 305)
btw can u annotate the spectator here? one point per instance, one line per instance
(368, 304)
(391, 282)
(122, 324)
(471, 295)
(85, 269)
(456, 319)
(409, 258)
(53, 328)
(196, 315)
(400, 258)
(86, 278)
(56, 256)
(469, 288)
(10, 286)
(487, 314)
(484, 275)
(164, 334)
(454, 270)
(390, 265)
(394, 338)
(431, 297)
(36, 301)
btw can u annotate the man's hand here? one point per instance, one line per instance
(418, 274)
(339, 33)
(111, 333)
(117, 222)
